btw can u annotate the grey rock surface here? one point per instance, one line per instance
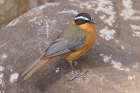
(11, 9)
(112, 62)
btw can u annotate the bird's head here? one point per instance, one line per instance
(83, 18)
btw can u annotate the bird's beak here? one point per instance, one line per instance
(92, 21)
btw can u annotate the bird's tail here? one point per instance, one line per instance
(33, 68)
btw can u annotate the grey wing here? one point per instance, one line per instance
(77, 43)
(62, 46)
(67, 42)
(59, 47)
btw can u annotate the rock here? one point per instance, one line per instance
(112, 62)
(12, 9)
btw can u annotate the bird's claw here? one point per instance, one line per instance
(78, 75)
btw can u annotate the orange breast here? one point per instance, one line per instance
(90, 37)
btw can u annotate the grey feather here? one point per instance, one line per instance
(71, 39)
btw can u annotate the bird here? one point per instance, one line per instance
(74, 41)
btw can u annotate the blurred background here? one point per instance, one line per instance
(11, 9)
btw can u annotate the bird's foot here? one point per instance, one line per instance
(77, 75)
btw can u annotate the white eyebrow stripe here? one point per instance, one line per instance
(81, 17)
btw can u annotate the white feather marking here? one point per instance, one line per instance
(81, 17)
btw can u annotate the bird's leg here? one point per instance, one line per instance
(73, 70)
(76, 75)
